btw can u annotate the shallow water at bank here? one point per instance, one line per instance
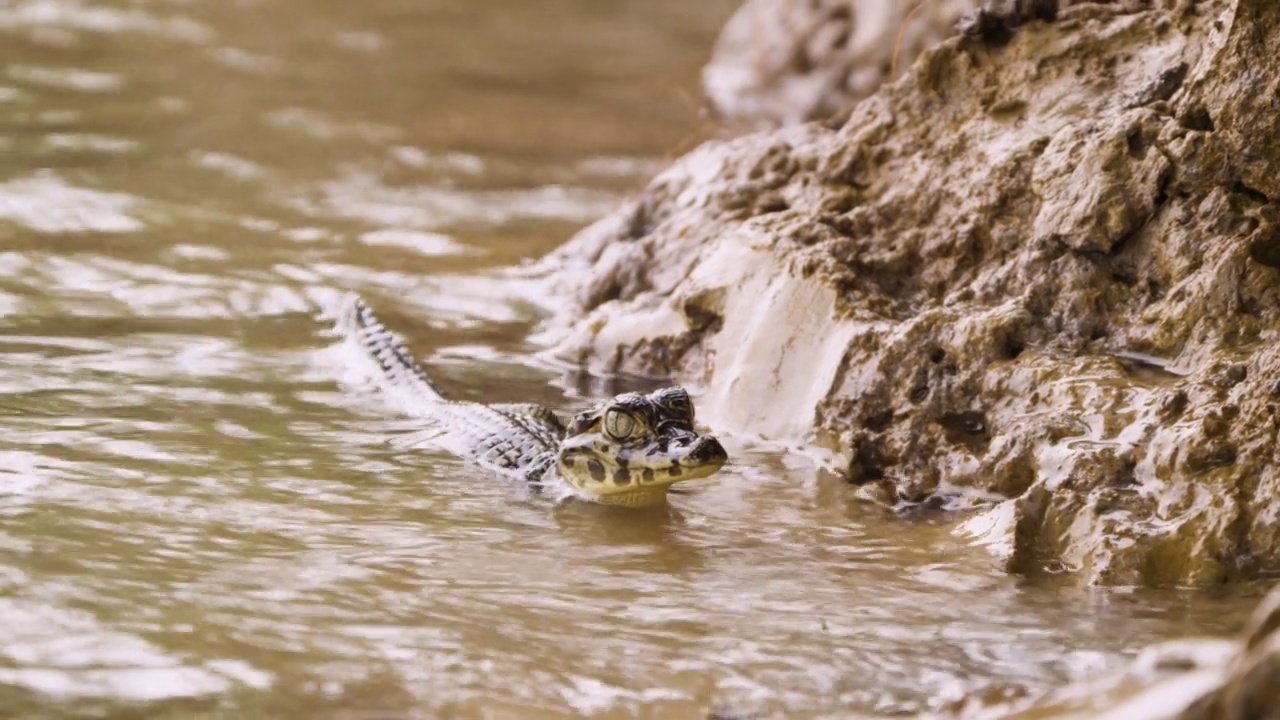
(198, 516)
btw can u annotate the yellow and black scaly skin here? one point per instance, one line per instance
(627, 451)
(630, 449)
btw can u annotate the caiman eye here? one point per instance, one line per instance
(619, 424)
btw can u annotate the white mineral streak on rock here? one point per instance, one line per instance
(767, 382)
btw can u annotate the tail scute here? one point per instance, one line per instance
(399, 373)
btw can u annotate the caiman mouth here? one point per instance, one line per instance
(635, 481)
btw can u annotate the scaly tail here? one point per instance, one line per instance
(517, 440)
(401, 376)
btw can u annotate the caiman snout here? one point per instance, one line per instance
(708, 451)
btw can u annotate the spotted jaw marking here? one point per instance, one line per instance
(614, 481)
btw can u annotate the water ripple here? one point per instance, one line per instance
(363, 196)
(63, 78)
(46, 203)
(66, 653)
(92, 17)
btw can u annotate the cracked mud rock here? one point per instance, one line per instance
(1039, 270)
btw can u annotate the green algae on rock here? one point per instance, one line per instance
(1063, 234)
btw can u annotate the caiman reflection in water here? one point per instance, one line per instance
(627, 451)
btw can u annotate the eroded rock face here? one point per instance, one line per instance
(1035, 271)
(780, 62)
(1179, 680)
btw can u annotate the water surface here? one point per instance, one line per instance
(199, 512)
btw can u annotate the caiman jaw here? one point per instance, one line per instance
(630, 450)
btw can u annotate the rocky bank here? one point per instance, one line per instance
(779, 62)
(1039, 269)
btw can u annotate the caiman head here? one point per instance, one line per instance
(631, 449)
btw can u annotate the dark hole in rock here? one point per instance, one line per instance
(1124, 277)
(700, 317)
(1154, 291)
(835, 121)
(1201, 459)
(842, 203)
(772, 204)
(969, 422)
(801, 63)
(1252, 193)
(986, 27)
(1137, 143)
(1046, 10)
(842, 40)
(965, 428)
(1013, 347)
(1008, 108)
(1126, 476)
(937, 355)
(1016, 479)
(1235, 375)
(639, 224)
(1179, 663)
(868, 463)
(921, 391)
(1264, 247)
(879, 422)
(1198, 119)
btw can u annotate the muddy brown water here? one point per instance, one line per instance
(199, 518)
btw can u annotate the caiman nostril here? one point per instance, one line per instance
(710, 450)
